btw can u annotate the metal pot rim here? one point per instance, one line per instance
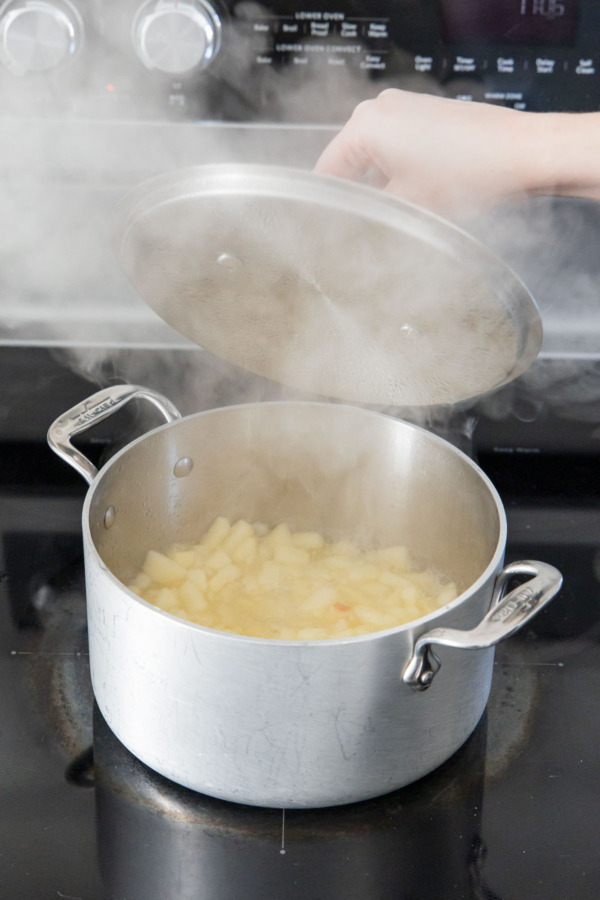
(421, 624)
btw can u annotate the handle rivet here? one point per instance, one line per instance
(183, 467)
(229, 262)
(109, 517)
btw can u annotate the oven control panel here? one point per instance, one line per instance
(298, 62)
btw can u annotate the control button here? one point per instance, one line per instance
(373, 62)
(464, 64)
(349, 29)
(423, 63)
(319, 29)
(505, 65)
(377, 30)
(290, 28)
(39, 35)
(261, 27)
(176, 37)
(545, 66)
(585, 67)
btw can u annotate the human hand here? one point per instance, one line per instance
(454, 157)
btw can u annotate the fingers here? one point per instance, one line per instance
(375, 178)
(343, 158)
(349, 154)
(446, 155)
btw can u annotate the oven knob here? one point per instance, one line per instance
(176, 37)
(39, 35)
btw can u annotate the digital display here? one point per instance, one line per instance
(528, 22)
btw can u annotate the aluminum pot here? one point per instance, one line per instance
(293, 723)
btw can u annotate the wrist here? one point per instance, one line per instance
(565, 154)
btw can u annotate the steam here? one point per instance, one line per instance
(552, 244)
(61, 284)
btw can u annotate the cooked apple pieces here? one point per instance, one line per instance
(293, 586)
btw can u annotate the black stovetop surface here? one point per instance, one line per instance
(514, 814)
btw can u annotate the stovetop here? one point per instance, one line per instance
(514, 814)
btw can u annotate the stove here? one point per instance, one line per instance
(98, 96)
(514, 813)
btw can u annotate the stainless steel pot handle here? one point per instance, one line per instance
(507, 614)
(93, 410)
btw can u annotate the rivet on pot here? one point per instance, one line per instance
(109, 517)
(183, 467)
(229, 261)
(410, 331)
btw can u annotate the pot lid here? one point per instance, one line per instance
(327, 286)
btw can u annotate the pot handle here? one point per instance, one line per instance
(93, 410)
(505, 616)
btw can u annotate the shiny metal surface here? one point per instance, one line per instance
(39, 36)
(93, 410)
(326, 286)
(213, 849)
(175, 37)
(504, 619)
(288, 724)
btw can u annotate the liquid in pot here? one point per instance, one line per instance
(270, 582)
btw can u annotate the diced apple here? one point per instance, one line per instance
(163, 570)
